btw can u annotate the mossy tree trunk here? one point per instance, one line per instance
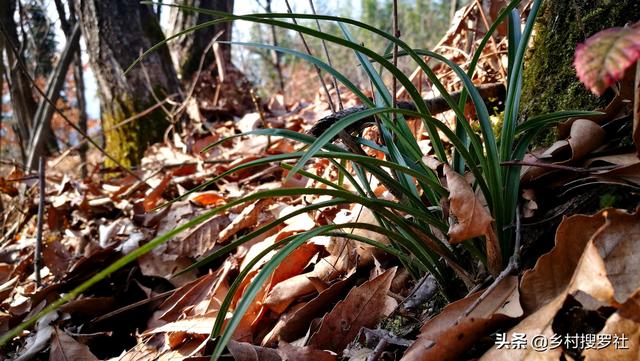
(187, 49)
(116, 32)
(550, 81)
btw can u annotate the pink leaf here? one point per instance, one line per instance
(603, 58)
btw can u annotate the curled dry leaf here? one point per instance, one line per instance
(64, 347)
(243, 351)
(326, 269)
(617, 242)
(289, 352)
(448, 335)
(248, 217)
(295, 322)
(553, 271)
(605, 56)
(625, 322)
(364, 306)
(607, 271)
(472, 218)
(589, 277)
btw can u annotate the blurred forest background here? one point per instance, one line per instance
(42, 30)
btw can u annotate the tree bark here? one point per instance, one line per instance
(116, 32)
(186, 50)
(22, 101)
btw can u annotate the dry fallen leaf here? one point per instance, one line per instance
(64, 348)
(624, 323)
(289, 352)
(292, 266)
(617, 241)
(243, 351)
(553, 271)
(472, 218)
(449, 334)
(364, 306)
(589, 277)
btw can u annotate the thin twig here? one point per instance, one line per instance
(557, 166)
(37, 255)
(326, 52)
(308, 49)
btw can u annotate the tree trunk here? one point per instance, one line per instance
(187, 49)
(116, 32)
(22, 101)
(550, 81)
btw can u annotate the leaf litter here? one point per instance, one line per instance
(329, 296)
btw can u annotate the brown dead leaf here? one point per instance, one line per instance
(553, 270)
(289, 352)
(64, 348)
(243, 351)
(449, 334)
(364, 306)
(618, 244)
(589, 277)
(295, 322)
(285, 292)
(248, 217)
(624, 323)
(292, 266)
(201, 325)
(472, 218)
(152, 200)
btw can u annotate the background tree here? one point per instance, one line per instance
(187, 49)
(22, 101)
(114, 41)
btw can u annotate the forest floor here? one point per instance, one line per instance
(573, 290)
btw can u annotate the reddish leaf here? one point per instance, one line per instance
(604, 57)
(208, 199)
(152, 200)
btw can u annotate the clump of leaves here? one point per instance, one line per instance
(413, 222)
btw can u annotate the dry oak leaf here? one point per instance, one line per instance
(589, 277)
(473, 218)
(553, 271)
(364, 306)
(448, 335)
(618, 241)
(625, 322)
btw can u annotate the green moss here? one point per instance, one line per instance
(128, 142)
(549, 78)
